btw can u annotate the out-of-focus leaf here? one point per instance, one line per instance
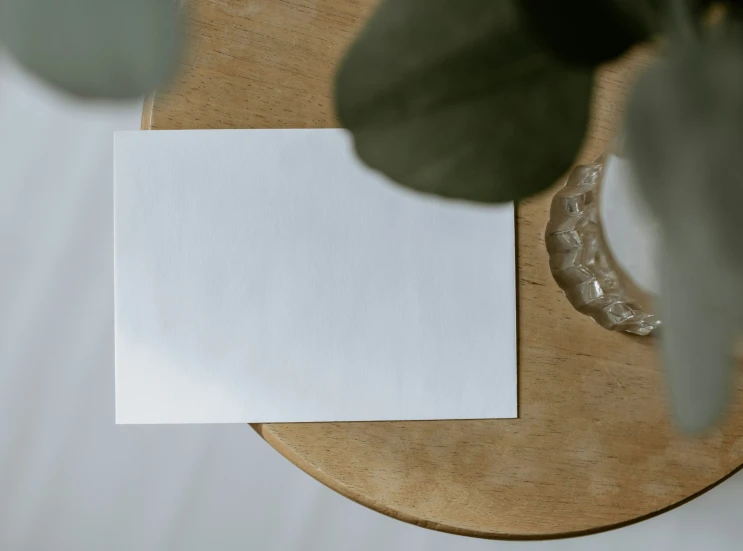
(685, 138)
(589, 32)
(456, 99)
(107, 48)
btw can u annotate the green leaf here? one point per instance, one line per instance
(456, 99)
(684, 137)
(587, 32)
(106, 48)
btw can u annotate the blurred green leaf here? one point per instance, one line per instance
(684, 137)
(106, 48)
(589, 32)
(455, 98)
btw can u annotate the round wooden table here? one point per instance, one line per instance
(592, 448)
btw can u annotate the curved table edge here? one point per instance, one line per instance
(148, 108)
(285, 450)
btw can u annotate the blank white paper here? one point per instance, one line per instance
(268, 276)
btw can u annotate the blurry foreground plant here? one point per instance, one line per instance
(94, 48)
(487, 100)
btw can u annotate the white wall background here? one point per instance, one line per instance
(72, 480)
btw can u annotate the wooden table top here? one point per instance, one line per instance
(593, 447)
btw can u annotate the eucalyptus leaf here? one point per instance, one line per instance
(457, 99)
(589, 32)
(685, 137)
(106, 48)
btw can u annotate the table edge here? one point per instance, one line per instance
(264, 431)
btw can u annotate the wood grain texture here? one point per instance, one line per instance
(593, 447)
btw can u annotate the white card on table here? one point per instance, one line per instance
(267, 276)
